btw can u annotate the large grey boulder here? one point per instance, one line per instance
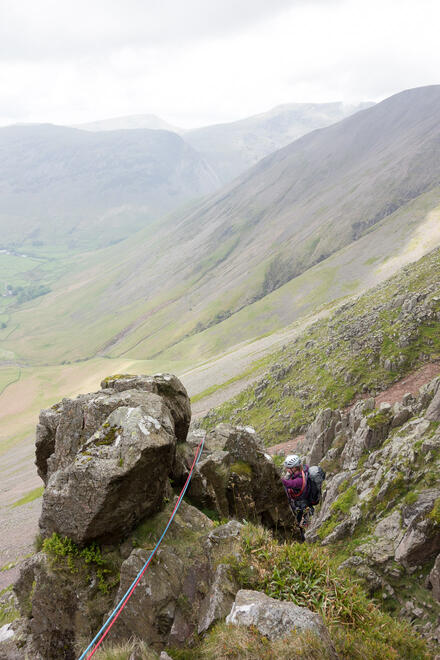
(218, 602)
(105, 457)
(276, 619)
(63, 428)
(167, 386)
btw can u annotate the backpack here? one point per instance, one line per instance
(316, 476)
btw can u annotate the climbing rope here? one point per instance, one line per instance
(102, 634)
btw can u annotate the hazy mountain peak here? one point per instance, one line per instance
(233, 147)
(129, 122)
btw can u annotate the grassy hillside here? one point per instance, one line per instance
(119, 295)
(363, 348)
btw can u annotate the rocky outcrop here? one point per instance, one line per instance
(276, 619)
(321, 434)
(434, 579)
(105, 457)
(421, 539)
(184, 592)
(383, 494)
(63, 600)
(218, 602)
(433, 412)
(236, 478)
(365, 431)
(49, 604)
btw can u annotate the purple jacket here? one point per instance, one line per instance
(295, 485)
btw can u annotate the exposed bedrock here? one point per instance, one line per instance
(236, 478)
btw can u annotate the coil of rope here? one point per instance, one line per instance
(103, 632)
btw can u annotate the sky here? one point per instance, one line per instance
(199, 62)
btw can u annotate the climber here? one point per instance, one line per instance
(298, 486)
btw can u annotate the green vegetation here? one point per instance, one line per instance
(328, 527)
(26, 293)
(410, 498)
(30, 497)
(181, 536)
(110, 379)
(239, 642)
(396, 490)
(379, 418)
(109, 437)
(357, 350)
(66, 555)
(278, 273)
(345, 501)
(278, 460)
(241, 468)
(435, 513)
(8, 614)
(309, 576)
(147, 532)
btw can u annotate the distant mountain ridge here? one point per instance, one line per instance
(98, 183)
(129, 122)
(60, 184)
(233, 147)
(236, 146)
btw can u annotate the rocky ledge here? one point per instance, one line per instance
(381, 506)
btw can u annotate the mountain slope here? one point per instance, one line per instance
(233, 147)
(61, 184)
(239, 263)
(364, 347)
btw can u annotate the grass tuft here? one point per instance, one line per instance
(309, 576)
(29, 497)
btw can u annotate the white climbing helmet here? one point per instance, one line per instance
(292, 461)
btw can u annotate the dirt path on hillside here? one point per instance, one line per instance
(409, 384)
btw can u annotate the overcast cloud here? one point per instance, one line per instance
(195, 62)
